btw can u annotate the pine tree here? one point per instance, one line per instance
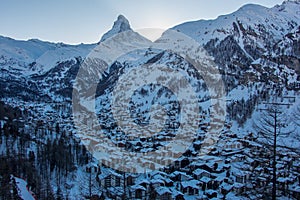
(269, 130)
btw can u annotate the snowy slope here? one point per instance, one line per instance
(63, 53)
(278, 21)
(35, 56)
(22, 189)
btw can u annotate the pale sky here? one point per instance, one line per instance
(85, 21)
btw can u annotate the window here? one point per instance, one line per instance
(118, 181)
(107, 182)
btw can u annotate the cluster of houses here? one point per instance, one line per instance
(231, 170)
(236, 166)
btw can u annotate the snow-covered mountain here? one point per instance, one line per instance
(251, 41)
(35, 56)
(256, 51)
(250, 21)
(120, 25)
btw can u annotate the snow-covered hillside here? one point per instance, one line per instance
(35, 56)
(254, 52)
(251, 19)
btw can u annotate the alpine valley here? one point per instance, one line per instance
(256, 50)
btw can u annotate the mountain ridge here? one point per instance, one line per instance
(250, 14)
(248, 40)
(256, 61)
(120, 25)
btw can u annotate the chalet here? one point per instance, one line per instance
(205, 183)
(163, 193)
(130, 179)
(184, 162)
(239, 187)
(168, 182)
(180, 176)
(110, 179)
(225, 188)
(226, 166)
(209, 167)
(138, 191)
(218, 181)
(250, 161)
(156, 183)
(143, 182)
(176, 164)
(240, 176)
(197, 144)
(199, 173)
(211, 194)
(190, 187)
(176, 194)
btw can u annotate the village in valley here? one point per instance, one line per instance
(235, 167)
(218, 118)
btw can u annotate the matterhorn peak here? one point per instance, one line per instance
(122, 19)
(120, 25)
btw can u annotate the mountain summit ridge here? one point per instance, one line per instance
(250, 18)
(120, 25)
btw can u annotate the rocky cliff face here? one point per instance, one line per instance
(120, 25)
